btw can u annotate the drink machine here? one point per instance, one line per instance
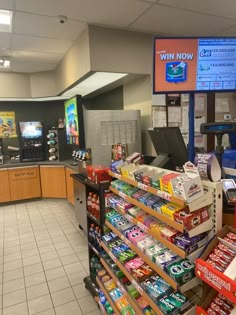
(31, 141)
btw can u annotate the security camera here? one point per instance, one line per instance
(62, 19)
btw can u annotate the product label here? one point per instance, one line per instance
(142, 186)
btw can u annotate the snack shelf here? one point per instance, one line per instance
(157, 236)
(123, 290)
(160, 271)
(135, 284)
(154, 191)
(109, 299)
(216, 279)
(179, 227)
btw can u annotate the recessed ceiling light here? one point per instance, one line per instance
(94, 82)
(5, 63)
(5, 21)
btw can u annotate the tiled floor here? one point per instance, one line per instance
(43, 260)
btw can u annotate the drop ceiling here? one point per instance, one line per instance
(38, 41)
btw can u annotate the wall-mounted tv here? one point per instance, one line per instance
(31, 129)
(74, 122)
(194, 65)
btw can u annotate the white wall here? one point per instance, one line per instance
(137, 95)
(42, 84)
(14, 85)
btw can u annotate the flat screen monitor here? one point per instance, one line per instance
(194, 65)
(72, 121)
(31, 129)
(168, 141)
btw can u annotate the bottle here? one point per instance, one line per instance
(93, 209)
(89, 201)
(52, 150)
(91, 233)
(52, 157)
(96, 237)
(51, 142)
(97, 213)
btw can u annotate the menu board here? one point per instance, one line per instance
(194, 65)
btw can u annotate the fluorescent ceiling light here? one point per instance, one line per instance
(5, 21)
(5, 63)
(95, 82)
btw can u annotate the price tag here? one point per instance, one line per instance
(137, 287)
(142, 186)
(122, 195)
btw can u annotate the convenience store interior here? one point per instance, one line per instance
(102, 50)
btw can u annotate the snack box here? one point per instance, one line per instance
(134, 263)
(116, 219)
(159, 204)
(190, 244)
(124, 225)
(163, 259)
(170, 209)
(136, 212)
(187, 188)
(127, 230)
(134, 157)
(181, 271)
(169, 233)
(121, 303)
(136, 236)
(116, 294)
(154, 250)
(191, 219)
(153, 289)
(146, 243)
(128, 310)
(165, 182)
(142, 272)
(138, 194)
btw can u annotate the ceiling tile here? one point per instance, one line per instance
(48, 45)
(32, 56)
(45, 26)
(228, 32)
(162, 19)
(224, 8)
(6, 4)
(106, 12)
(29, 67)
(5, 40)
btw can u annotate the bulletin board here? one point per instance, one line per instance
(7, 125)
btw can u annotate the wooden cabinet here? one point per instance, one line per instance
(24, 183)
(5, 195)
(53, 181)
(70, 186)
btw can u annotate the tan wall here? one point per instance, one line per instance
(75, 64)
(14, 85)
(137, 95)
(43, 84)
(120, 51)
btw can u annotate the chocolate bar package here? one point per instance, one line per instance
(190, 244)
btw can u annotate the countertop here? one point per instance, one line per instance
(67, 163)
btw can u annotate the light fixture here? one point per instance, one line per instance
(5, 62)
(95, 82)
(5, 21)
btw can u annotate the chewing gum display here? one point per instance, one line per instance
(169, 233)
(181, 271)
(190, 244)
(136, 236)
(155, 250)
(145, 243)
(170, 209)
(167, 307)
(191, 219)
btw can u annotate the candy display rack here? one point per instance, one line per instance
(212, 198)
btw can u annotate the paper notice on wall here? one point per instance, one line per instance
(159, 100)
(198, 121)
(185, 118)
(199, 103)
(184, 98)
(158, 117)
(222, 105)
(174, 114)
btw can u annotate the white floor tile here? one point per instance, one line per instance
(40, 304)
(13, 285)
(71, 308)
(37, 291)
(58, 284)
(13, 298)
(18, 309)
(87, 304)
(53, 263)
(62, 296)
(29, 270)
